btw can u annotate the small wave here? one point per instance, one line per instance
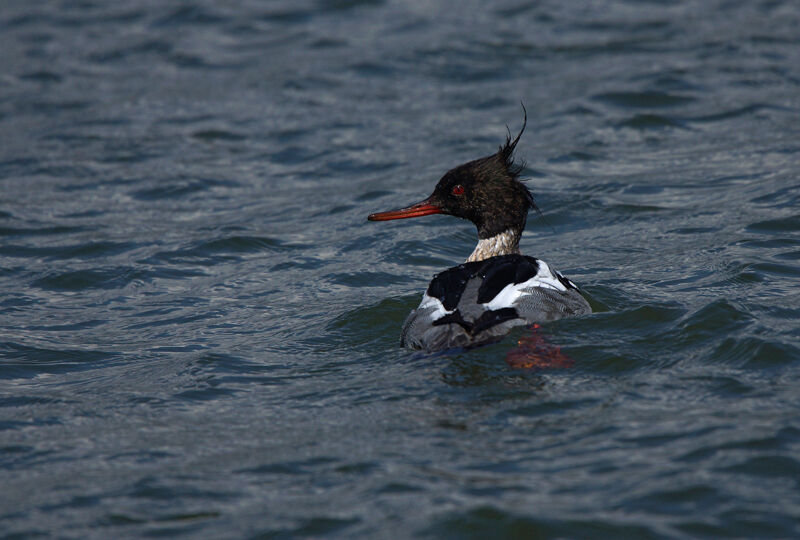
(774, 466)
(240, 244)
(213, 135)
(652, 121)
(706, 323)
(88, 250)
(39, 231)
(732, 113)
(789, 224)
(754, 353)
(42, 76)
(95, 278)
(644, 100)
(492, 522)
(25, 361)
(315, 527)
(179, 188)
(122, 54)
(189, 15)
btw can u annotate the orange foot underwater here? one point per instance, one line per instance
(533, 352)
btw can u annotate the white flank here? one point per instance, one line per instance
(507, 296)
(438, 307)
(544, 279)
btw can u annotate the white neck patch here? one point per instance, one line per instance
(505, 243)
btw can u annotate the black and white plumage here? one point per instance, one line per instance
(497, 288)
(479, 302)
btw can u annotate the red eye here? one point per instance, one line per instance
(458, 189)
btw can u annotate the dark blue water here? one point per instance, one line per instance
(199, 329)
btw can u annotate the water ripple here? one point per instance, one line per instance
(199, 331)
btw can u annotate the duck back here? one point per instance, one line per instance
(479, 302)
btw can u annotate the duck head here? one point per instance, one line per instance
(485, 191)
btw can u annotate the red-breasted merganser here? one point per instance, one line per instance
(496, 288)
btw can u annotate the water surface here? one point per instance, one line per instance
(199, 329)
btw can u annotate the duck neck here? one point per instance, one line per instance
(505, 243)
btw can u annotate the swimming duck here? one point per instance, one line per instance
(496, 288)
